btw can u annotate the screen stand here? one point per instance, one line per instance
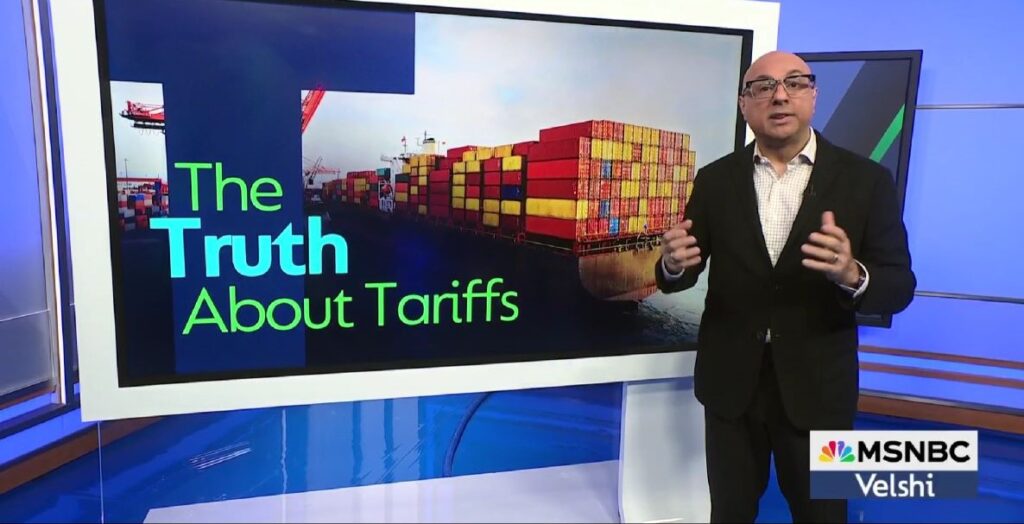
(662, 475)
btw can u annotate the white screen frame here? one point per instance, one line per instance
(78, 91)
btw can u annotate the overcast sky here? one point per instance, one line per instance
(145, 149)
(485, 81)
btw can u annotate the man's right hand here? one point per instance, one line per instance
(679, 249)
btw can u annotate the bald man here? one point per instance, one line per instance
(800, 235)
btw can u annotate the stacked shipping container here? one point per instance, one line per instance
(599, 180)
(586, 182)
(139, 200)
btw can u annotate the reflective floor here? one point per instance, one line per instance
(194, 459)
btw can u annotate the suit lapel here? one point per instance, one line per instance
(808, 218)
(744, 181)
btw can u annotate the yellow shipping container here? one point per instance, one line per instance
(596, 145)
(469, 156)
(652, 190)
(485, 153)
(635, 171)
(414, 190)
(686, 141)
(492, 206)
(406, 169)
(473, 166)
(677, 173)
(643, 206)
(458, 203)
(646, 136)
(691, 158)
(415, 161)
(628, 133)
(459, 191)
(491, 219)
(689, 191)
(581, 209)
(401, 197)
(609, 150)
(512, 163)
(675, 205)
(511, 207)
(503, 151)
(459, 180)
(551, 207)
(666, 189)
(473, 204)
(459, 167)
(424, 171)
(423, 209)
(423, 180)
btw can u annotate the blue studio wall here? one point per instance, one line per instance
(965, 184)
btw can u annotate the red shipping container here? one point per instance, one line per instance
(561, 189)
(523, 148)
(638, 152)
(616, 169)
(492, 179)
(620, 131)
(552, 227)
(616, 189)
(606, 189)
(438, 211)
(439, 176)
(512, 178)
(473, 216)
(445, 164)
(643, 188)
(602, 229)
(560, 149)
(401, 187)
(593, 225)
(511, 222)
(440, 189)
(583, 189)
(587, 129)
(581, 229)
(492, 164)
(473, 192)
(493, 192)
(635, 206)
(459, 215)
(473, 179)
(595, 188)
(557, 169)
(455, 153)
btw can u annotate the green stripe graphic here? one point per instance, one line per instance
(889, 137)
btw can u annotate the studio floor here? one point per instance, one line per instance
(536, 455)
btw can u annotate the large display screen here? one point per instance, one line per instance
(332, 187)
(866, 103)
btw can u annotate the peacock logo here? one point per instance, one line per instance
(837, 452)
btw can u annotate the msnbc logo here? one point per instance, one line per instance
(893, 464)
(837, 451)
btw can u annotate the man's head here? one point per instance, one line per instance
(777, 99)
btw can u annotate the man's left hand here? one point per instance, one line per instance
(828, 251)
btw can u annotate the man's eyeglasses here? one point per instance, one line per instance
(795, 86)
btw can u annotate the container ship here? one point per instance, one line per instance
(591, 198)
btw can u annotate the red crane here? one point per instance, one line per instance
(310, 103)
(144, 116)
